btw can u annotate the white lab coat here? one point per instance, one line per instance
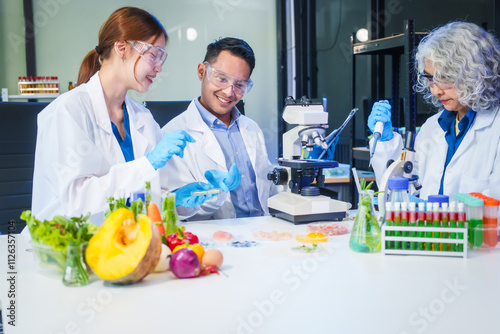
(208, 155)
(475, 166)
(78, 161)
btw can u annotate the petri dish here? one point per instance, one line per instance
(328, 228)
(206, 192)
(312, 237)
(243, 244)
(272, 234)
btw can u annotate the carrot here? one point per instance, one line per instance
(154, 215)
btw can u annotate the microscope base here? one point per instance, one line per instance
(305, 209)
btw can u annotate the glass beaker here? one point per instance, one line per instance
(365, 235)
(77, 272)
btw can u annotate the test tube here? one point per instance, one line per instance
(412, 221)
(421, 223)
(444, 223)
(452, 215)
(428, 223)
(461, 223)
(397, 222)
(389, 219)
(490, 219)
(474, 216)
(404, 222)
(436, 220)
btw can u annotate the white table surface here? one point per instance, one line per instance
(270, 289)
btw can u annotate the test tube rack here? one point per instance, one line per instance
(410, 229)
(40, 86)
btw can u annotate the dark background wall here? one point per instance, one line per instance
(338, 19)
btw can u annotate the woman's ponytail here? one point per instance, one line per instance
(90, 65)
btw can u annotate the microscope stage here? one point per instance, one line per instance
(305, 209)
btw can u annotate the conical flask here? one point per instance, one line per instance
(365, 235)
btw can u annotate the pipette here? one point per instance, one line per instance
(377, 133)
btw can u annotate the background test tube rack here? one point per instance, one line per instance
(408, 229)
(38, 87)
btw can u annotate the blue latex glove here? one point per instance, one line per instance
(226, 181)
(381, 112)
(184, 198)
(171, 143)
(316, 151)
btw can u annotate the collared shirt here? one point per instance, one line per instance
(245, 198)
(447, 121)
(126, 143)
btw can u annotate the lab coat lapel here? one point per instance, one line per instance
(139, 142)
(250, 142)
(209, 144)
(111, 149)
(482, 120)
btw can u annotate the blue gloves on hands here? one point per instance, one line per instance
(184, 198)
(381, 112)
(171, 143)
(226, 181)
(316, 151)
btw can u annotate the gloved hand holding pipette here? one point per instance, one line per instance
(380, 123)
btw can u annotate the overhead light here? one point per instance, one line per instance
(191, 34)
(362, 35)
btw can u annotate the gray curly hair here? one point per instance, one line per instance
(466, 55)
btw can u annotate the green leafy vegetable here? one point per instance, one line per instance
(58, 234)
(362, 183)
(307, 249)
(59, 231)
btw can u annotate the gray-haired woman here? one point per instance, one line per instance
(458, 149)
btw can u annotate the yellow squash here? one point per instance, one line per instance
(124, 251)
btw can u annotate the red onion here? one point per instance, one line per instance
(184, 263)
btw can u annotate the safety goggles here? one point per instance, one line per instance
(153, 55)
(430, 80)
(223, 80)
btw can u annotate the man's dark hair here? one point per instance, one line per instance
(237, 47)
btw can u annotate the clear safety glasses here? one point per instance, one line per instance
(153, 55)
(223, 80)
(430, 80)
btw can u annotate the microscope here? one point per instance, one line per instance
(303, 202)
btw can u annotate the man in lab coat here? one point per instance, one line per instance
(228, 144)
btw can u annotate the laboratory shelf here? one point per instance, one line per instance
(33, 96)
(389, 45)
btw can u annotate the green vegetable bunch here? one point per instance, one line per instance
(363, 185)
(137, 206)
(60, 232)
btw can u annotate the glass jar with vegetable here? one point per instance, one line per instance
(57, 244)
(365, 235)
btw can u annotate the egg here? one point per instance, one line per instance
(164, 262)
(212, 257)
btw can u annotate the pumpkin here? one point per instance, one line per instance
(124, 251)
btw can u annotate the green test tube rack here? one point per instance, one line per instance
(410, 230)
